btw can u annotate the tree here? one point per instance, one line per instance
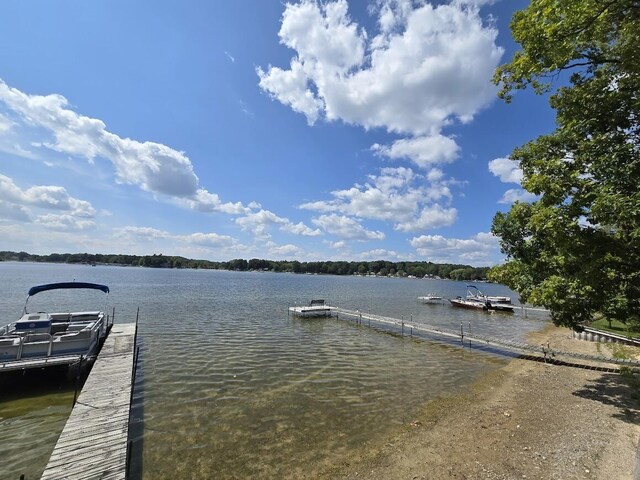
(576, 249)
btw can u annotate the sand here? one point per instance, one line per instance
(527, 420)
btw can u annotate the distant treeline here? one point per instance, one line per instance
(379, 267)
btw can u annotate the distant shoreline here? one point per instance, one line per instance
(378, 268)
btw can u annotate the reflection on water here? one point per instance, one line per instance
(231, 387)
(33, 410)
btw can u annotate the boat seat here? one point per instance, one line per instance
(75, 335)
(84, 316)
(38, 337)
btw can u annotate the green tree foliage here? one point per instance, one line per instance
(380, 267)
(576, 250)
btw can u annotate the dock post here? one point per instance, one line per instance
(461, 334)
(403, 328)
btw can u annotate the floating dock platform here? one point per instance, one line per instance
(93, 444)
(316, 308)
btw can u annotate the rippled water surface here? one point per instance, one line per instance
(229, 386)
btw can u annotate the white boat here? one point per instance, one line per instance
(497, 303)
(43, 335)
(430, 298)
(468, 303)
(477, 293)
(316, 308)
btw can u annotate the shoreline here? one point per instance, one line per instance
(524, 420)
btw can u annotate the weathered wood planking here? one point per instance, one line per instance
(93, 444)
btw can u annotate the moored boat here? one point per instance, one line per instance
(430, 298)
(467, 303)
(43, 335)
(496, 303)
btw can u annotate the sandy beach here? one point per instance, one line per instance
(526, 420)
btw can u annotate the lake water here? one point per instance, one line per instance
(229, 386)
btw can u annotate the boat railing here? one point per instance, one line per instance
(7, 328)
(89, 331)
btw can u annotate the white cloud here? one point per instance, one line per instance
(382, 254)
(5, 124)
(135, 235)
(208, 202)
(12, 212)
(154, 167)
(258, 222)
(427, 67)
(209, 239)
(64, 222)
(423, 151)
(397, 195)
(145, 233)
(346, 228)
(301, 229)
(285, 250)
(507, 170)
(430, 217)
(480, 250)
(517, 195)
(18, 205)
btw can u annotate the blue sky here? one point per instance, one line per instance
(340, 130)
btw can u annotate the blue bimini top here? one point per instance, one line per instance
(55, 286)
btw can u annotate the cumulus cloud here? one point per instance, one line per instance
(397, 195)
(507, 170)
(14, 213)
(133, 234)
(430, 217)
(152, 166)
(287, 250)
(423, 151)
(517, 195)
(44, 196)
(426, 67)
(258, 224)
(346, 228)
(481, 249)
(64, 222)
(382, 254)
(147, 233)
(27, 205)
(5, 124)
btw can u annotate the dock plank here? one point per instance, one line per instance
(93, 443)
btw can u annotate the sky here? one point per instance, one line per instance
(314, 131)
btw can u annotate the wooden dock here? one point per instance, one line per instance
(93, 444)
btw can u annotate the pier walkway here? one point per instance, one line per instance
(93, 443)
(467, 338)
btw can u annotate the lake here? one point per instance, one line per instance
(230, 386)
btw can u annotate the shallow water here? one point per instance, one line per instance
(229, 386)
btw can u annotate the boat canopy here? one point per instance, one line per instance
(55, 286)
